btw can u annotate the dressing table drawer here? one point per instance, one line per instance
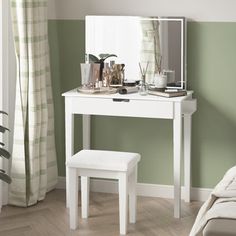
(121, 107)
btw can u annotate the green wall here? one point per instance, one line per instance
(211, 66)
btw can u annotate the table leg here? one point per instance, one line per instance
(132, 187)
(73, 188)
(85, 181)
(187, 156)
(69, 128)
(177, 134)
(123, 202)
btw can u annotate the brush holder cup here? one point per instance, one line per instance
(160, 81)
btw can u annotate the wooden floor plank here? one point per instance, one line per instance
(50, 217)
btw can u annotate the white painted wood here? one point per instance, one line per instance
(138, 106)
(187, 155)
(69, 126)
(73, 197)
(99, 174)
(129, 108)
(189, 106)
(85, 181)
(85, 197)
(200, 194)
(143, 189)
(177, 134)
(201, 10)
(133, 196)
(123, 202)
(132, 96)
(74, 169)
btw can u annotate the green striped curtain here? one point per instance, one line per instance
(150, 47)
(34, 166)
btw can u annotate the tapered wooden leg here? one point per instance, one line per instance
(85, 181)
(177, 159)
(132, 196)
(187, 156)
(73, 200)
(85, 196)
(69, 132)
(123, 202)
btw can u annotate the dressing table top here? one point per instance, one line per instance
(133, 96)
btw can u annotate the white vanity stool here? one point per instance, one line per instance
(103, 164)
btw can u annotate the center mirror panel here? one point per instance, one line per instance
(156, 41)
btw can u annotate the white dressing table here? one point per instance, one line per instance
(134, 105)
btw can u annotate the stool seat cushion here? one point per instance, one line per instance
(103, 160)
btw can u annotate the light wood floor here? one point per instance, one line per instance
(50, 217)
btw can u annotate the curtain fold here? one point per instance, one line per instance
(150, 47)
(34, 165)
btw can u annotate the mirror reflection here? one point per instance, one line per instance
(138, 40)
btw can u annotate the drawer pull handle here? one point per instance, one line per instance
(120, 100)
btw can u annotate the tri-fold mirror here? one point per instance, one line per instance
(158, 41)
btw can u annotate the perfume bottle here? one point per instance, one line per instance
(143, 87)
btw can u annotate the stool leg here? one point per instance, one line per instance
(73, 201)
(123, 202)
(67, 188)
(132, 196)
(85, 196)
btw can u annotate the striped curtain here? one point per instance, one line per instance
(34, 166)
(150, 47)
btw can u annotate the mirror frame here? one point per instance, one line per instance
(183, 21)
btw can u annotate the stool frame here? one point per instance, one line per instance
(127, 181)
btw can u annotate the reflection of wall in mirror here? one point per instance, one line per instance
(115, 35)
(174, 29)
(171, 49)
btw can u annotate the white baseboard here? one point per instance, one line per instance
(143, 189)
